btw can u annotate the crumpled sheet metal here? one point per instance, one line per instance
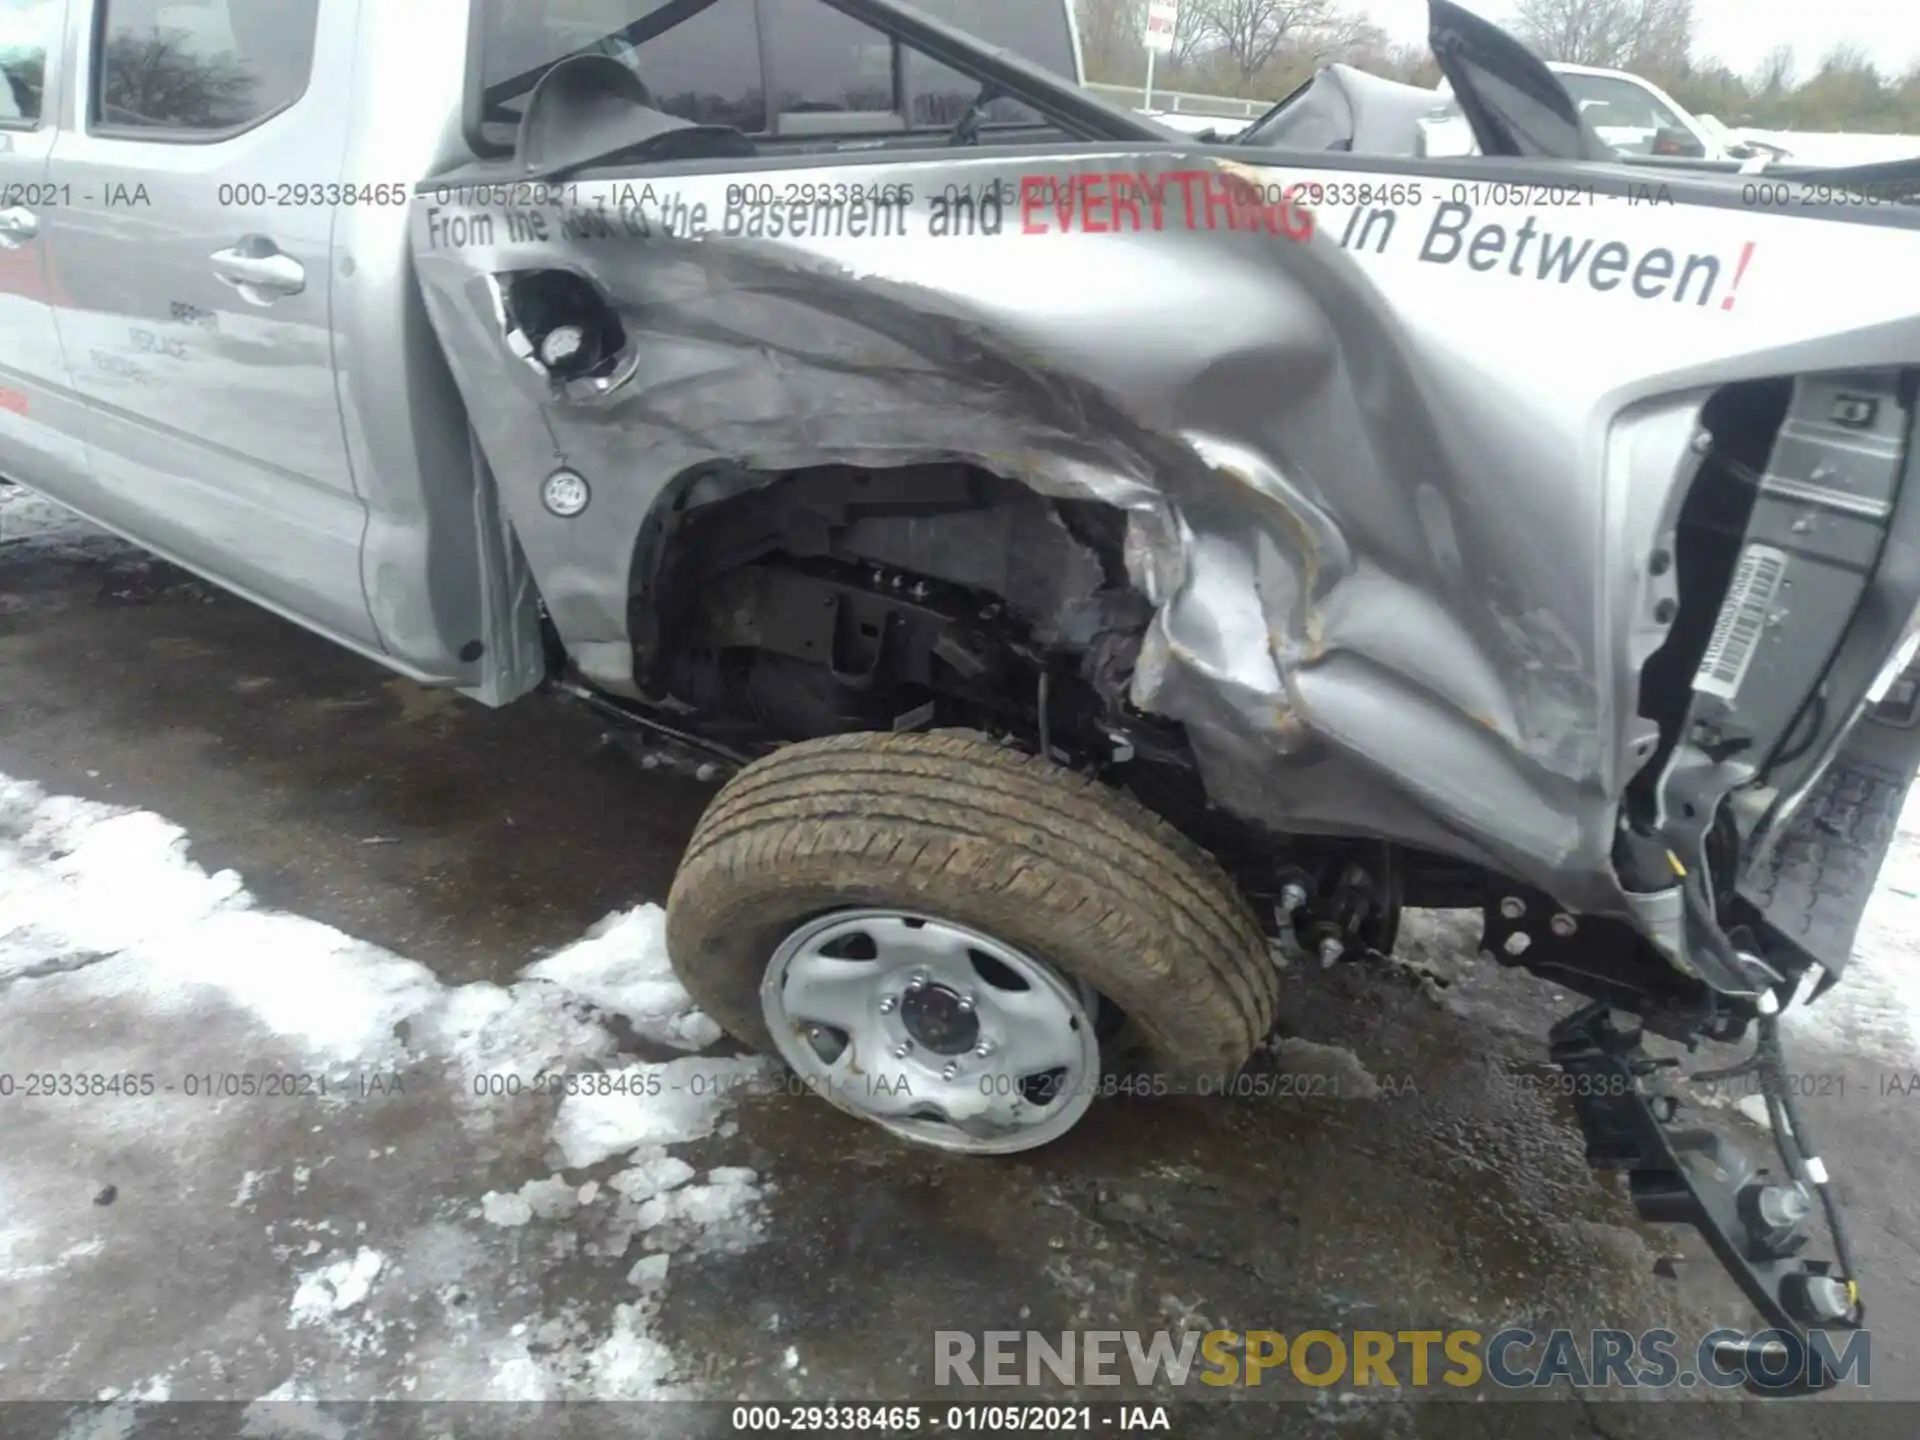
(1380, 606)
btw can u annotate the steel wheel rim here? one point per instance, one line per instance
(884, 1012)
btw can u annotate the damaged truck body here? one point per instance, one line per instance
(1099, 555)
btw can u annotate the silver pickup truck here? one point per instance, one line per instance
(1102, 560)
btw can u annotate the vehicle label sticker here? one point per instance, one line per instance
(1736, 634)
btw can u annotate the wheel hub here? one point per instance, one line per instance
(940, 1019)
(935, 1031)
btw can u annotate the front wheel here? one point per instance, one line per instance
(923, 927)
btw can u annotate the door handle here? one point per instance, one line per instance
(259, 270)
(17, 226)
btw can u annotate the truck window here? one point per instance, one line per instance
(26, 34)
(745, 63)
(1609, 100)
(209, 68)
(820, 59)
(1035, 30)
(705, 69)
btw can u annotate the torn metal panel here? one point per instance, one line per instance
(1395, 460)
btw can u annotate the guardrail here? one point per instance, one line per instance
(1226, 107)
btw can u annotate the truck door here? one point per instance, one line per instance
(208, 143)
(40, 420)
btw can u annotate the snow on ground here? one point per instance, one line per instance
(468, 1192)
(1814, 147)
(1874, 1012)
(26, 520)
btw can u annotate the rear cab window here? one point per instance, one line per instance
(198, 71)
(760, 65)
(29, 30)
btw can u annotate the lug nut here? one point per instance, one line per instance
(1513, 907)
(1818, 1298)
(917, 983)
(983, 1049)
(1330, 951)
(1563, 925)
(813, 1032)
(903, 1049)
(1292, 896)
(886, 1005)
(1784, 1206)
(966, 1004)
(947, 1072)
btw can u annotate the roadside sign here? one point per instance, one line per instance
(1163, 18)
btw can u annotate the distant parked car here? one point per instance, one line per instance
(1637, 117)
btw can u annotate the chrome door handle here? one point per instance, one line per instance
(17, 226)
(259, 270)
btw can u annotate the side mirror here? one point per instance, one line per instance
(1669, 141)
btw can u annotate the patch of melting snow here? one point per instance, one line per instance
(30, 523)
(550, 1199)
(1874, 1012)
(106, 904)
(60, 1262)
(248, 1188)
(1347, 1078)
(325, 1292)
(621, 965)
(646, 1105)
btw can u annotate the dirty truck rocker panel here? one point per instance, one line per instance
(1395, 460)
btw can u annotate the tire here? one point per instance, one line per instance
(952, 825)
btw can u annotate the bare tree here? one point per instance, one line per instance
(1110, 38)
(1774, 77)
(1252, 32)
(1646, 36)
(1352, 39)
(1191, 37)
(160, 79)
(1585, 32)
(1662, 43)
(1409, 64)
(1847, 92)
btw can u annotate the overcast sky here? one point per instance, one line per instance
(1739, 32)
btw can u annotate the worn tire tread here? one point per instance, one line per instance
(981, 834)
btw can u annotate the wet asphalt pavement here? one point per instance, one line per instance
(1445, 1188)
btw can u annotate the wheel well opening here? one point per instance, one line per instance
(774, 608)
(837, 598)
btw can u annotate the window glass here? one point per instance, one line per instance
(821, 59)
(26, 34)
(202, 64)
(1035, 30)
(1621, 113)
(709, 68)
(705, 69)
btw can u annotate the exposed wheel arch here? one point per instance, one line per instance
(808, 501)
